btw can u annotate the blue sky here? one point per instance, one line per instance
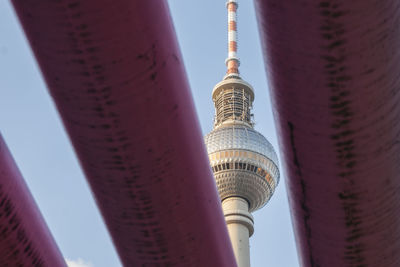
(33, 131)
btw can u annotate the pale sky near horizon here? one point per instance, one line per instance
(32, 129)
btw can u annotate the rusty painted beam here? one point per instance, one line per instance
(334, 68)
(25, 239)
(117, 76)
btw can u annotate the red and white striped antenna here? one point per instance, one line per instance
(232, 62)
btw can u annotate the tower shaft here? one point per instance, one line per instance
(240, 227)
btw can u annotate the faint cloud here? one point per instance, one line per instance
(78, 263)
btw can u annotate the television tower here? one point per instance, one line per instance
(244, 163)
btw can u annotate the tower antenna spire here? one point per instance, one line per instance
(232, 62)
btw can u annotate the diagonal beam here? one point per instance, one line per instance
(334, 69)
(25, 239)
(117, 76)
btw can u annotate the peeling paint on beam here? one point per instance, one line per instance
(116, 74)
(25, 239)
(334, 70)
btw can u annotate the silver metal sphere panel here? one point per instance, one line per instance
(249, 186)
(239, 137)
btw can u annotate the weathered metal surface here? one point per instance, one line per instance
(25, 239)
(116, 74)
(334, 71)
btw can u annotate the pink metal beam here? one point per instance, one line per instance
(117, 76)
(25, 239)
(334, 68)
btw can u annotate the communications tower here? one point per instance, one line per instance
(244, 163)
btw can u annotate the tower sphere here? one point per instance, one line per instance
(244, 163)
